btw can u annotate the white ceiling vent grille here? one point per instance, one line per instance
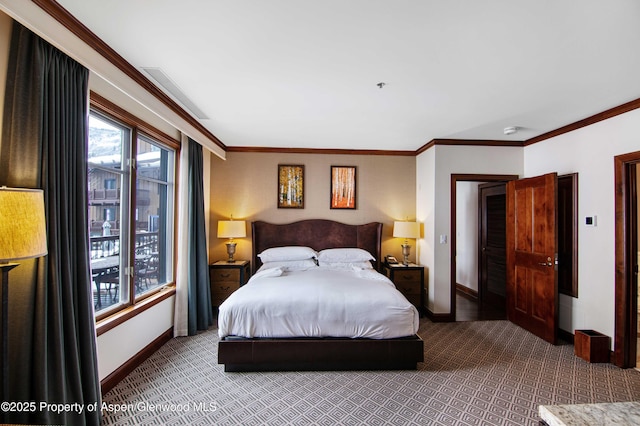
(163, 80)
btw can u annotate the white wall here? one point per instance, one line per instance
(589, 152)
(467, 234)
(118, 345)
(425, 213)
(434, 169)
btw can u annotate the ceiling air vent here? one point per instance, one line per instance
(163, 80)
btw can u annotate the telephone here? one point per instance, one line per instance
(391, 260)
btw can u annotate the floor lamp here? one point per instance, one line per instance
(23, 235)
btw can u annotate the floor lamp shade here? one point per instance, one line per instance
(23, 231)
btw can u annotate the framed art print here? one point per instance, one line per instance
(290, 186)
(343, 187)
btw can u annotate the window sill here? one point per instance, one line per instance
(121, 316)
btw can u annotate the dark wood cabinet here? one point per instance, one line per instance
(225, 278)
(409, 280)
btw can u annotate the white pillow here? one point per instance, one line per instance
(268, 272)
(346, 265)
(291, 265)
(345, 255)
(277, 254)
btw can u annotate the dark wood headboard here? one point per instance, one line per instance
(319, 234)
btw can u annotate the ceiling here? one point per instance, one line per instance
(305, 73)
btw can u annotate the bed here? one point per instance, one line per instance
(363, 347)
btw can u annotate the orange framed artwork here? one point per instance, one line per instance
(343, 187)
(290, 186)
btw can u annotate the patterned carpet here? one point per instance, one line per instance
(475, 373)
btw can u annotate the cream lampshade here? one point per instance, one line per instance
(23, 235)
(406, 230)
(231, 229)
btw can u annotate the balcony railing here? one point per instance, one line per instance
(106, 267)
(104, 194)
(112, 196)
(146, 243)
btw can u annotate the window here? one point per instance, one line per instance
(131, 213)
(109, 184)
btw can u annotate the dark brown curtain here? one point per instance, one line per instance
(52, 341)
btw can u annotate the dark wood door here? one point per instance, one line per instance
(532, 287)
(493, 247)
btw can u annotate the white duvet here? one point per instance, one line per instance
(318, 302)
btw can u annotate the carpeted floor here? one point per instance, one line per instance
(475, 373)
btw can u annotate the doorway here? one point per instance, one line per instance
(492, 271)
(485, 300)
(626, 260)
(466, 300)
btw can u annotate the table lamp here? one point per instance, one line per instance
(231, 229)
(23, 235)
(406, 230)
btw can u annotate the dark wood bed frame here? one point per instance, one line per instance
(297, 354)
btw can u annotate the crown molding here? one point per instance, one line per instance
(601, 116)
(319, 151)
(467, 142)
(477, 142)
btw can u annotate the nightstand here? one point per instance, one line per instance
(225, 278)
(409, 280)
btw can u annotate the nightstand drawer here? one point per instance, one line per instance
(224, 287)
(411, 276)
(225, 275)
(409, 288)
(221, 290)
(220, 293)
